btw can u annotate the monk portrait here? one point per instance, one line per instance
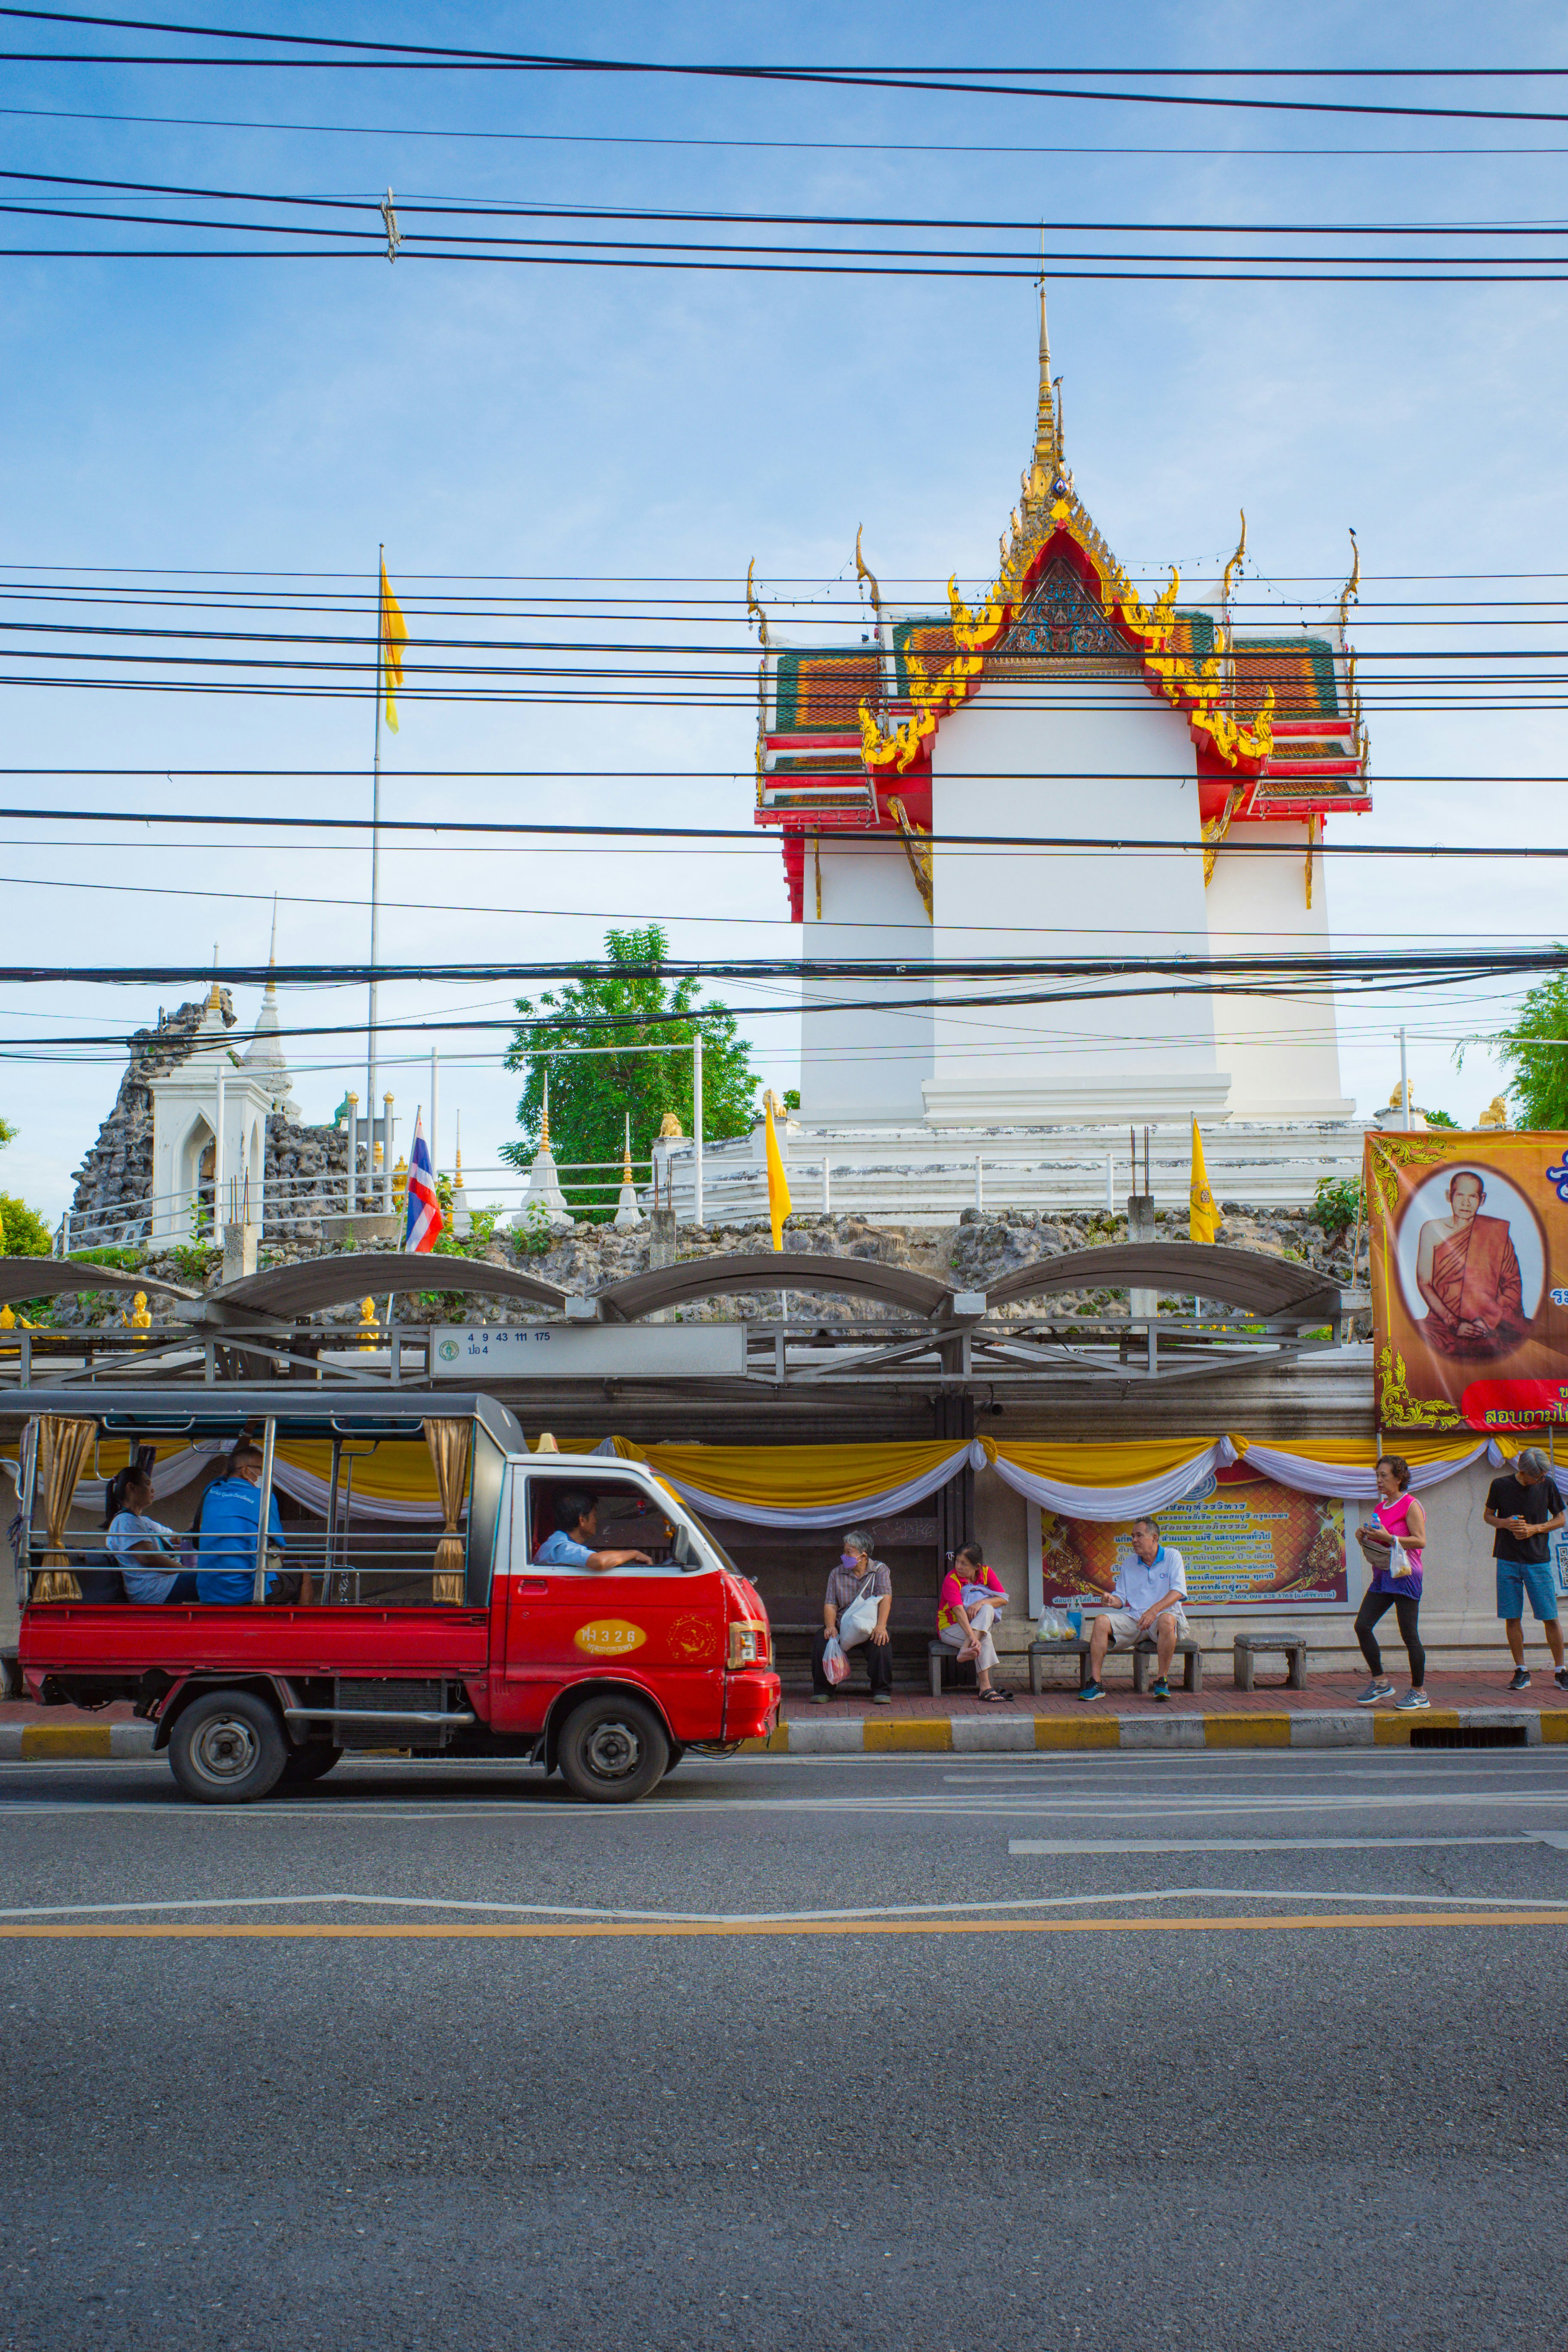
(1467, 1272)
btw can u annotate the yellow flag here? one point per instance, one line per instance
(779, 1203)
(394, 637)
(1203, 1217)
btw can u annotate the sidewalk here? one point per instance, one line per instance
(1322, 1716)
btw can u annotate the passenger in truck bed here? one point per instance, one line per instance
(575, 1542)
(229, 1519)
(145, 1552)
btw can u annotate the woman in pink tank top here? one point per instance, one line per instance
(1392, 1549)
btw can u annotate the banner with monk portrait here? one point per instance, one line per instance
(1469, 1277)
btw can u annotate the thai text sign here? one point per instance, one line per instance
(1247, 1542)
(1469, 1278)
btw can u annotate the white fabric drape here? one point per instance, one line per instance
(179, 1470)
(843, 1514)
(1354, 1486)
(1121, 1502)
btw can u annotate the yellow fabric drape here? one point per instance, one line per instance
(1202, 1216)
(450, 1443)
(63, 1448)
(782, 1477)
(1075, 1463)
(1360, 1452)
(779, 1203)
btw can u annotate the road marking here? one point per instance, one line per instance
(498, 1931)
(1268, 1845)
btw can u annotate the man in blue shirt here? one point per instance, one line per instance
(575, 1542)
(230, 1518)
(1146, 1599)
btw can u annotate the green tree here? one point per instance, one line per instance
(1534, 1051)
(591, 1093)
(25, 1232)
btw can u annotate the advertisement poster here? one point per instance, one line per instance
(1469, 1278)
(1246, 1544)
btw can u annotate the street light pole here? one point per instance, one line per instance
(374, 875)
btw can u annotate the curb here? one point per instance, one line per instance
(74, 1743)
(967, 1734)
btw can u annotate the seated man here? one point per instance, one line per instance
(1147, 1597)
(229, 1519)
(575, 1542)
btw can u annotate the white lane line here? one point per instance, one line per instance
(1271, 1845)
(744, 1919)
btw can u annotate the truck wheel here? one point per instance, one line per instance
(613, 1751)
(227, 1748)
(312, 1762)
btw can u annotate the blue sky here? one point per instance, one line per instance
(503, 421)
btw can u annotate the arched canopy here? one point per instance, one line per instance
(1249, 1279)
(286, 1291)
(54, 1277)
(709, 1277)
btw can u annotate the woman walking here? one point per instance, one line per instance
(1393, 1550)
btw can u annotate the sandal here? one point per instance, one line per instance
(993, 1698)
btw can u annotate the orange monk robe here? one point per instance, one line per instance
(1476, 1275)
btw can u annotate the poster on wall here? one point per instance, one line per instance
(1247, 1542)
(1469, 1278)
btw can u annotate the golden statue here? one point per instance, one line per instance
(139, 1318)
(1495, 1113)
(669, 1125)
(368, 1338)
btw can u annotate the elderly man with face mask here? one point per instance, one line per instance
(857, 1578)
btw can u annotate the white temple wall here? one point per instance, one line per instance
(862, 1067)
(997, 765)
(1282, 1052)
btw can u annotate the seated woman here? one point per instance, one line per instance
(965, 1624)
(229, 1519)
(146, 1552)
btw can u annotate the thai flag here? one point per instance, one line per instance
(424, 1208)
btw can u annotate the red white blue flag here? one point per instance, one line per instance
(425, 1219)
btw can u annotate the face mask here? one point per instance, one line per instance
(849, 1560)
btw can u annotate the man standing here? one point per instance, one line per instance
(1526, 1509)
(1147, 1599)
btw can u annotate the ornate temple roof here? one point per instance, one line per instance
(845, 735)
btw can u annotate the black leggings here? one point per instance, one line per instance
(1377, 1605)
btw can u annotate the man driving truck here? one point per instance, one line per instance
(575, 1542)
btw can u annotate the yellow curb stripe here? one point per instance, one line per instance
(664, 1930)
(41, 1741)
(931, 1735)
(1394, 1730)
(1065, 1731)
(775, 1744)
(1555, 1725)
(1247, 1731)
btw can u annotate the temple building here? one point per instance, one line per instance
(1061, 705)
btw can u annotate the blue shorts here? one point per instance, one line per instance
(1515, 1577)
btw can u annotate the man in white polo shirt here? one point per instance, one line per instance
(1146, 1599)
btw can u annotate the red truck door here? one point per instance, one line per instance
(655, 1625)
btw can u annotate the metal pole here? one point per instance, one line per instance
(353, 1151)
(697, 1204)
(374, 870)
(1404, 1085)
(217, 1157)
(435, 1108)
(826, 1188)
(268, 1434)
(386, 1102)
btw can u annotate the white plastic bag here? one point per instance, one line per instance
(1052, 1627)
(835, 1664)
(859, 1621)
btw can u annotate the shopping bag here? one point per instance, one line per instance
(835, 1664)
(859, 1621)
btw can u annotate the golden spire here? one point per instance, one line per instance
(626, 1155)
(1047, 459)
(544, 1117)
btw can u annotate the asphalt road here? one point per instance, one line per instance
(798, 2054)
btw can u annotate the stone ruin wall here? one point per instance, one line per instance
(114, 1183)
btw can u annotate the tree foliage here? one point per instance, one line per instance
(592, 1094)
(1534, 1051)
(24, 1232)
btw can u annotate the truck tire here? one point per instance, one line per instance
(613, 1751)
(227, 1748)
(312, 1762)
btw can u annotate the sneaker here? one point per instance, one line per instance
(820, 1698)
(1520, 1678)
(880, 1698)
(1561, 1678)
(1374, 1692)
(1411, 1698)
(1161, 1688)
(1092, 1690)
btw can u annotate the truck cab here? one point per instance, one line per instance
(413, 1577)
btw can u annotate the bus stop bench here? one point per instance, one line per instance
(1071, 1646)
(1186, 1648)
(1244, 1650)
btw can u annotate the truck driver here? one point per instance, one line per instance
(575, 1542)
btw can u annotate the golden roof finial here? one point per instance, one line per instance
(1048, 436)
(1350, 593)
(627, 1154)
(754, 608)
(864, 571)
(1233, 566)
(544, 1117)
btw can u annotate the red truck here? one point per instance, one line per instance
(414, 1612)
